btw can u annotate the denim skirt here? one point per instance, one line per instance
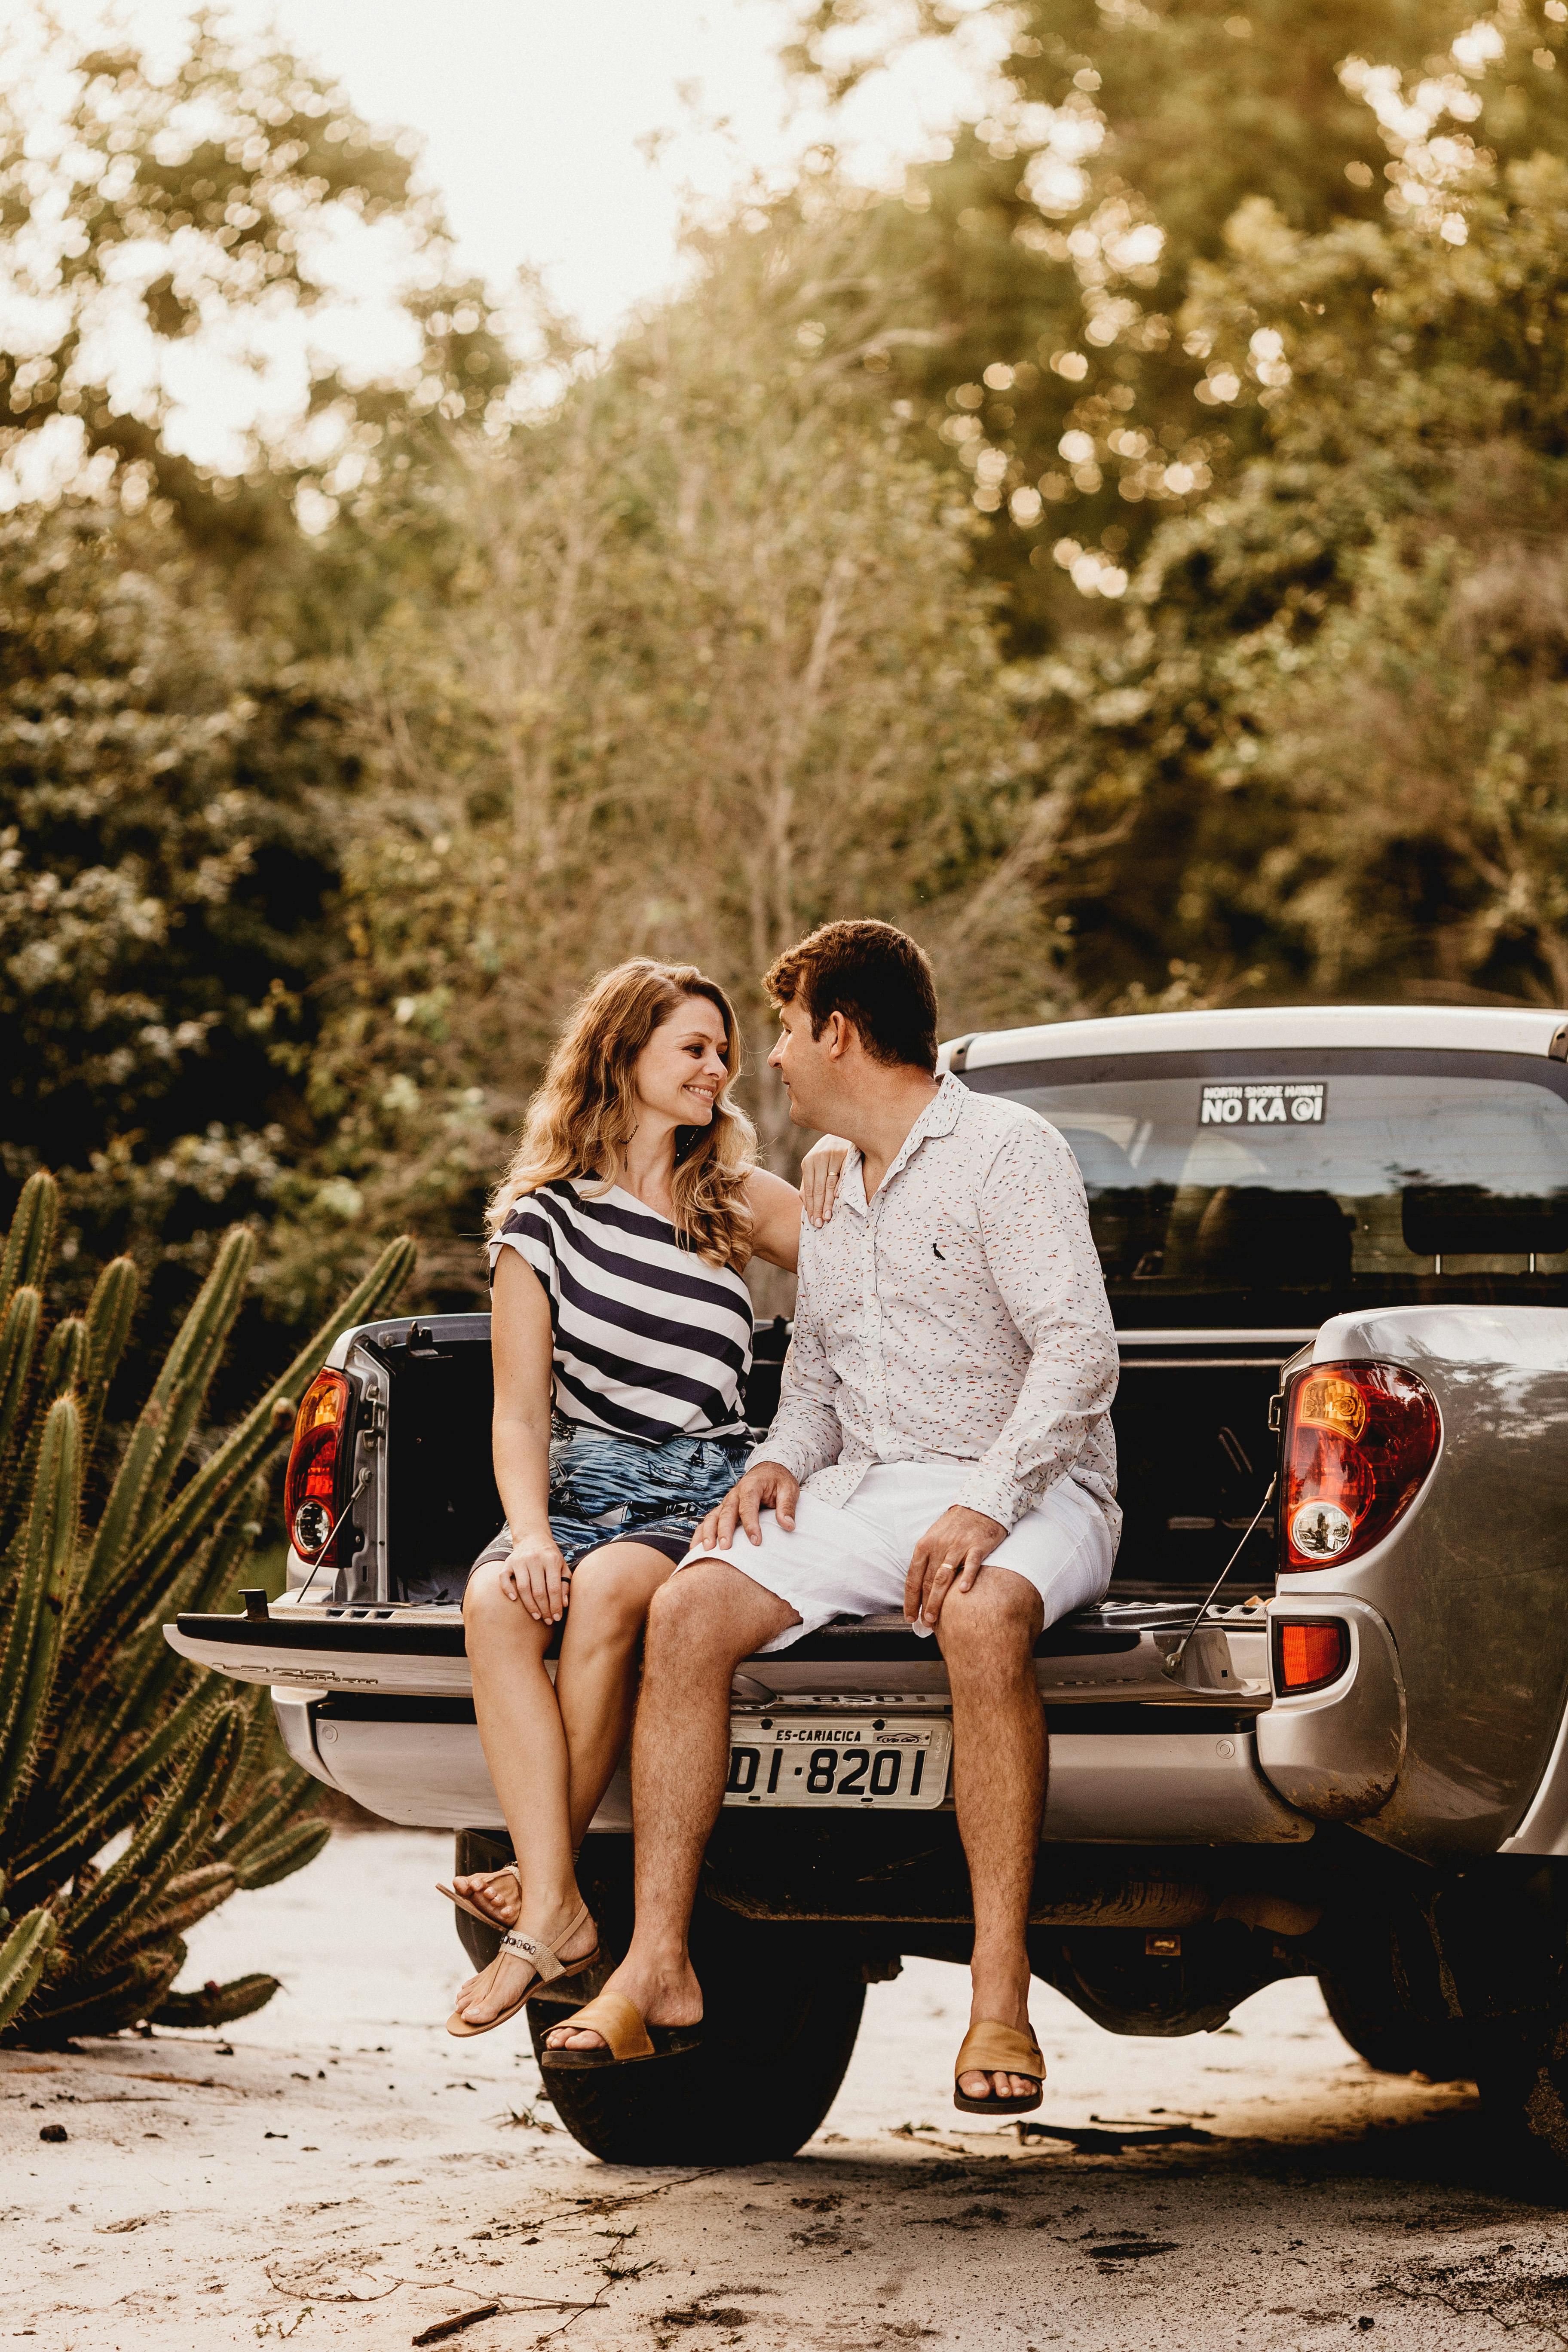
(607, 1489)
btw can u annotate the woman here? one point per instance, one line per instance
(621, 1332)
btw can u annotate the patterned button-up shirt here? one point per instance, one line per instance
(959, 1315)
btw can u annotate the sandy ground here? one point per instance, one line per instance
(336, 2172)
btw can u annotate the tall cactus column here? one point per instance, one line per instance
(147, 1743)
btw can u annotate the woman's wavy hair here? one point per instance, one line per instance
(585, 1110)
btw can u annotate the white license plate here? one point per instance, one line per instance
(886, 1761)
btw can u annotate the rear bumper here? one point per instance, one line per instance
(418, 1762)
(379, 1704)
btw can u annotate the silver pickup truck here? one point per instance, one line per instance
(1318, 1726)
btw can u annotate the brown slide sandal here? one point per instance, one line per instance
(547, 1968)
(628, 2038)
(993, 2049)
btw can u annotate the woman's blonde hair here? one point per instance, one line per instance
(585, 1112)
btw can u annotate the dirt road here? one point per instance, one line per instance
(338, 2173)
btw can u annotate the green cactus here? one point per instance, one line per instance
(147, 1743)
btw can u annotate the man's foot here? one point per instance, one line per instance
(498, 1987)
(661, 1996)
(1001, 2003)
(497, 1892)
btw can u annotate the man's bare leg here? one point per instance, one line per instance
(700, 1627)
(988, 1638)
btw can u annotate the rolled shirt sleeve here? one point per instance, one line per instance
(1034, 1230)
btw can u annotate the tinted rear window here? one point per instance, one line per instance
(1253, 1188)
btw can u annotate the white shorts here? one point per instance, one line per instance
(852, 1562)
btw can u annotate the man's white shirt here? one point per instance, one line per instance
(958, 1317)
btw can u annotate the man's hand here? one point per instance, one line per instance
(767, 1487)
(956, 1546)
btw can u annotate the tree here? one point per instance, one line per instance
(1395, 694)
(140, 213)
(175, 767)
(165, 859)
(716, 670)
(1052, 252)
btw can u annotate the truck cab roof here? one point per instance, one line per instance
(1437, 1028)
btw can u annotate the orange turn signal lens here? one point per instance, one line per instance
(1336, 1404)
(1310, 1653)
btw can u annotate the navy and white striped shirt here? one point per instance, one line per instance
(650, 1341)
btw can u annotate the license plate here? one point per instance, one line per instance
(891, 1762)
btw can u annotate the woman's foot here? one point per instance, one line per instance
(497, 1892)
(507, 1977)
(669, 1995)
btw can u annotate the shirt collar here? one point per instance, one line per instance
(940, 1117)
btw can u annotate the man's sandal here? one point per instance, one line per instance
(547, 1968)
(486, 1918)
(628, 2036)
(993, 2049)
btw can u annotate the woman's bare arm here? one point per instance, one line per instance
(775, 1219)
(521, 1351)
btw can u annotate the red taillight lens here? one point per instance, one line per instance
(1360, 1439)
(1310, 1653)
(310, 1481)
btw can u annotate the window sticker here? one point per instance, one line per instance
(1265, 1102)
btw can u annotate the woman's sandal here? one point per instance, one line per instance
(993, 2049)
(626, 2033)
(486, 1918)
(547, 1968)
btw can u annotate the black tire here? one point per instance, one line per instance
(782, 2008)
(1389, 2038)
(1522, 2077)
(770, 2065)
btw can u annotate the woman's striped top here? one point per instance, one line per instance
(651, 1341)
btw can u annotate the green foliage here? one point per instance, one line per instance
(713, 668)
(1049, 257)
(165, 859)
(103, 1729)
(138, 209)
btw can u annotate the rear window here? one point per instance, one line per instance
(1254, 1188)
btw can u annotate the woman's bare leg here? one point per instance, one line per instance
(595, 1681)
(525, 1743)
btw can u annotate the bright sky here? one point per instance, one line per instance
(537, 114)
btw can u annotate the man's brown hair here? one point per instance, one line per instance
(876, 976)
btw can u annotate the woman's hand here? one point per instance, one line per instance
(538, 1576)
(819, 1174)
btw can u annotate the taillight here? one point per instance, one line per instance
(311, 1480)
(1360, 1439)
(1310, 1653)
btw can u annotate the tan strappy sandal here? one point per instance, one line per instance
(486, 1918)
(990, 2048)
(547, 1966)
(628, 2036)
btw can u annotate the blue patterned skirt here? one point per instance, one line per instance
(605, 1489)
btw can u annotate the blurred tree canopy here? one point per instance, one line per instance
(1052, 251)
(1134, 556)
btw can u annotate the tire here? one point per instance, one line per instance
(769, 2069)
(1523, 2081)
(1390, 2040)
(781, 2005)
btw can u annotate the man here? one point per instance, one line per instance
(942, 1442)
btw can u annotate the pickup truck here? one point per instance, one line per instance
(1318, 1726)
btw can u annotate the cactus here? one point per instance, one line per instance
(147, 1743)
